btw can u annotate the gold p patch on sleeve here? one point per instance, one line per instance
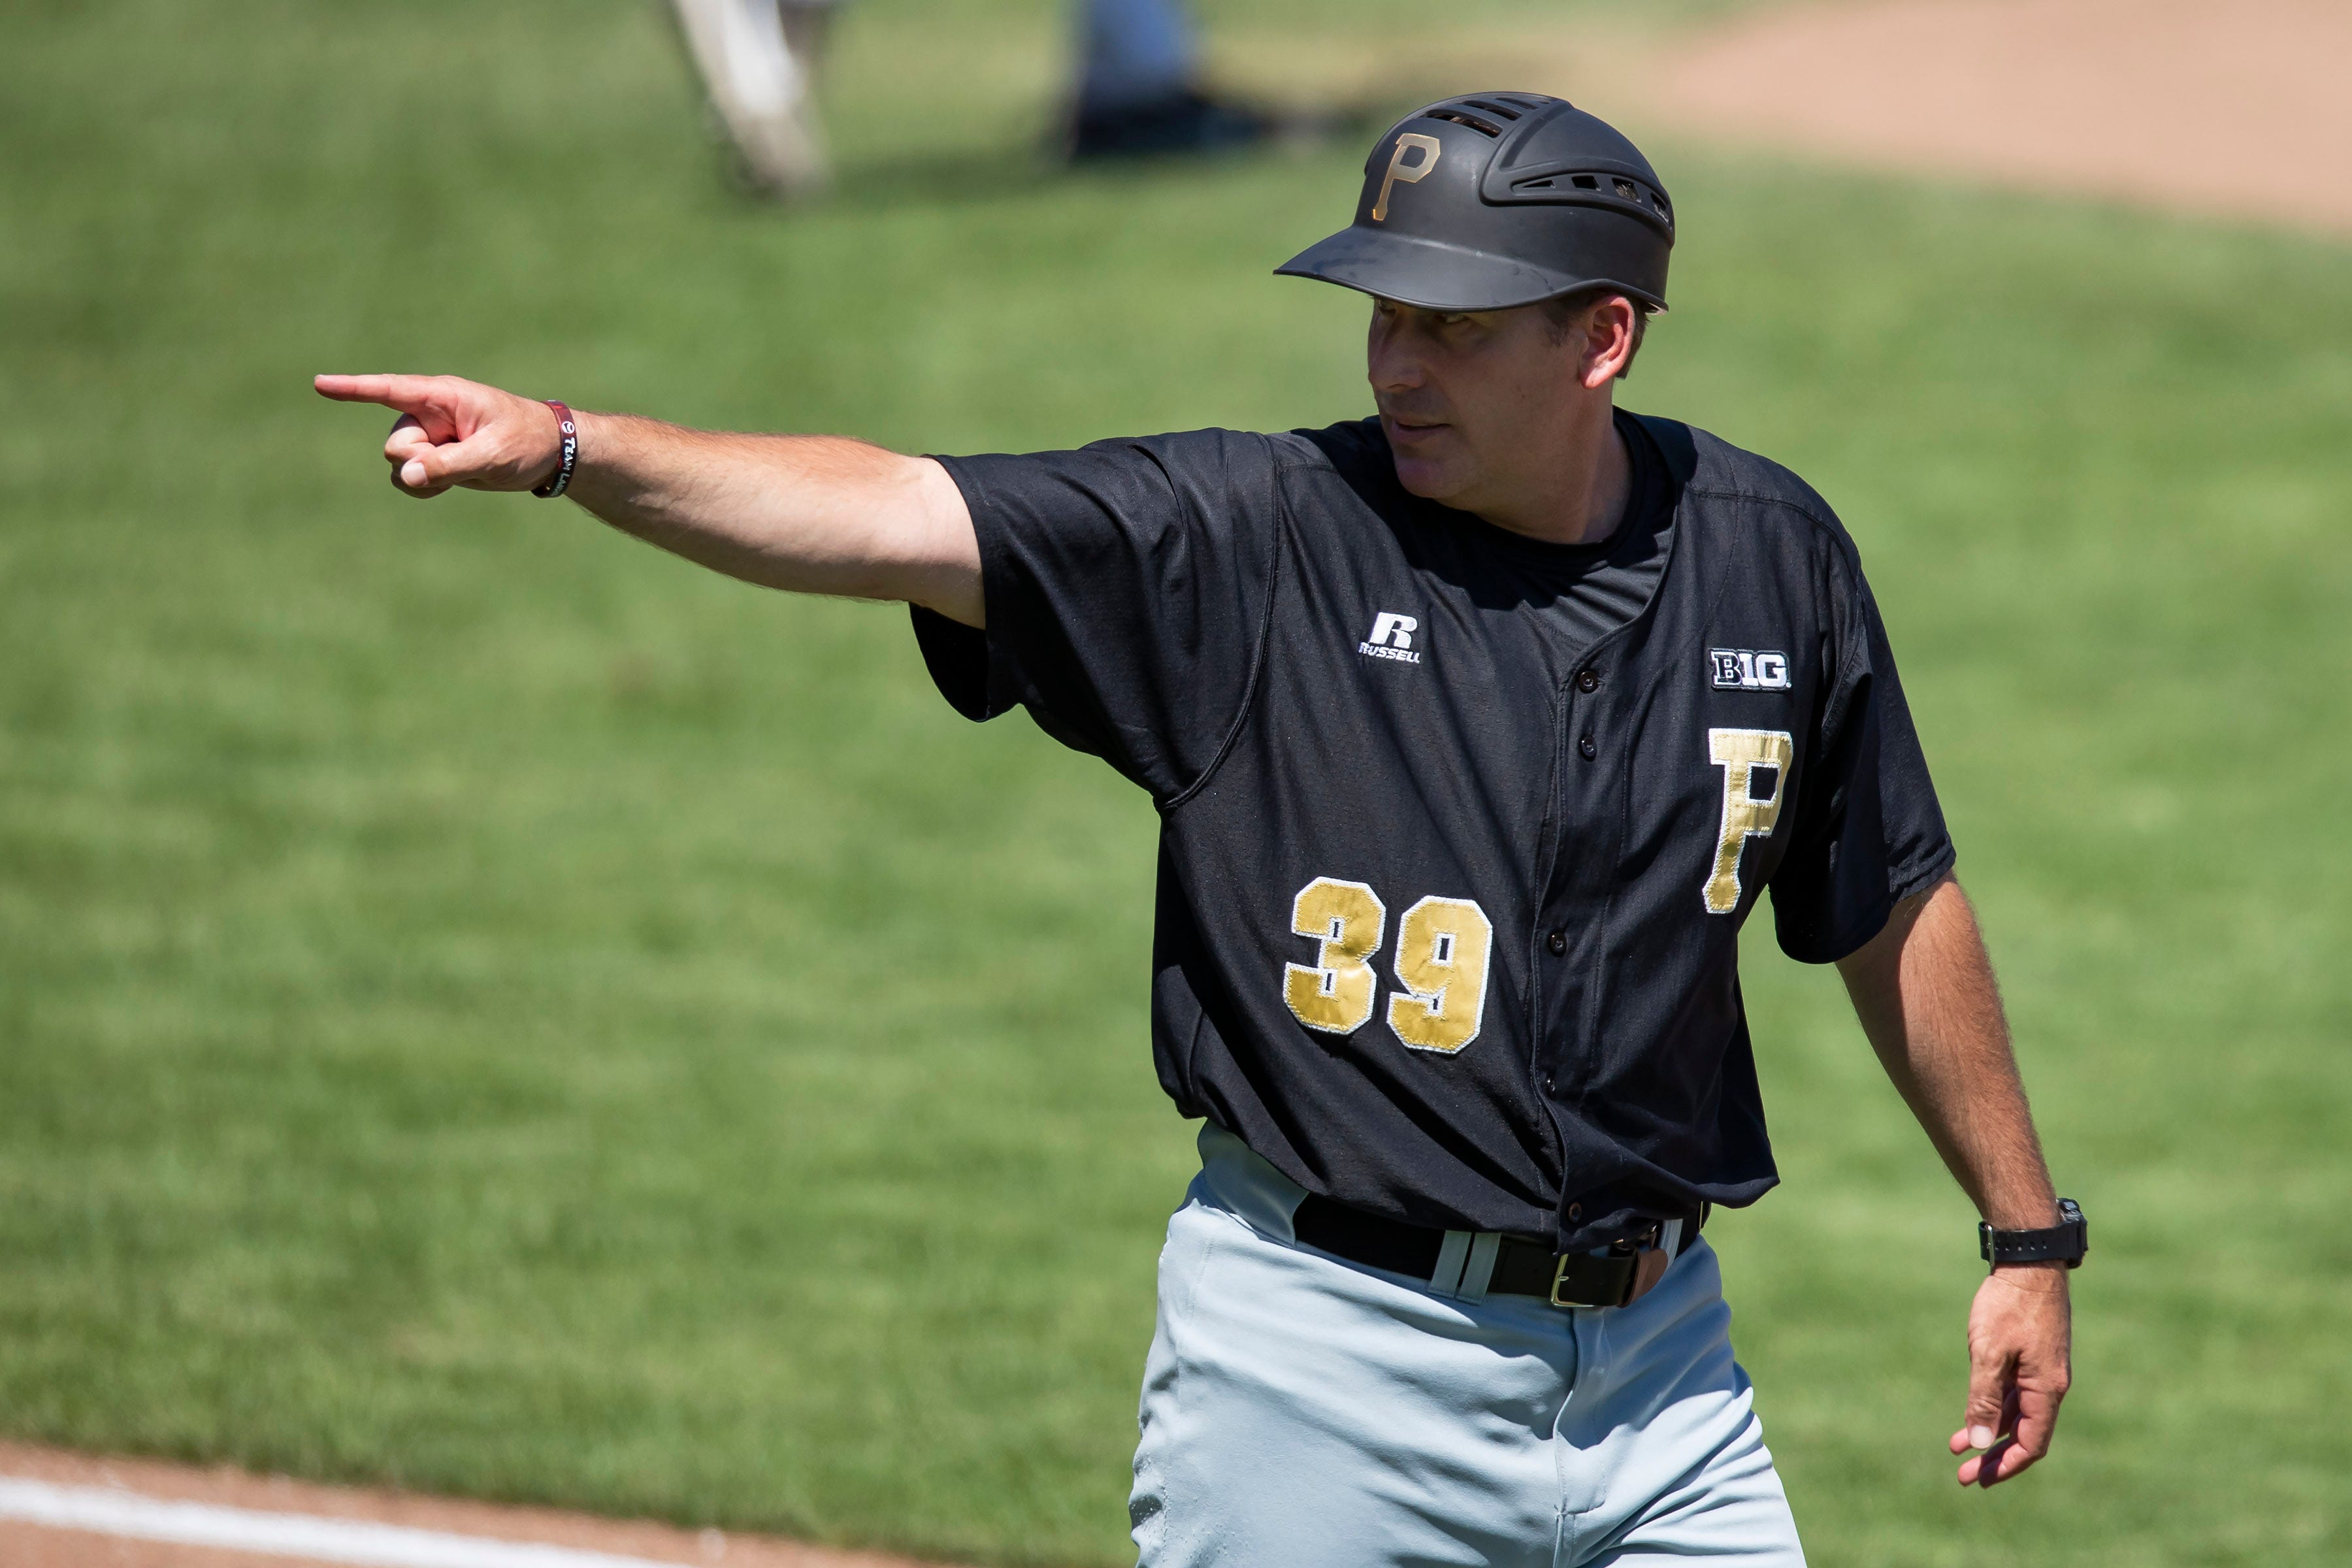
(1410, 173)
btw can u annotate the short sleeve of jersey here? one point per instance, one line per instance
(1870, 830)
(1126, 587)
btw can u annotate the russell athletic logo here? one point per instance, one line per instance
(1392, 638)
(1745, 669)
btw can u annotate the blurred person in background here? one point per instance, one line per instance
(1139, 91)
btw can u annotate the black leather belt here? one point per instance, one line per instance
(1524, 1266)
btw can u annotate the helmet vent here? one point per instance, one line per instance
(1492, 107)
(1625, 188)
(1586, 182)
(1542, 184)
(1484, 127)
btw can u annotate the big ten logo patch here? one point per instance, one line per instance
(1748, 670)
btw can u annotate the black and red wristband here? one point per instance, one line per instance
(567, 458)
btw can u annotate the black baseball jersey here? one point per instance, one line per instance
(1458, 829)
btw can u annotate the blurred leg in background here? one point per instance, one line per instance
(1139, 88)
(758, 60)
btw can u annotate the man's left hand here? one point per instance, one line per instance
(2020, 1349)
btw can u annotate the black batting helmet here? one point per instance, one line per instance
(1496, 200)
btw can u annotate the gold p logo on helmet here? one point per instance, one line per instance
(1410, 173)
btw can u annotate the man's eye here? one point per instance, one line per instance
(1452, 318)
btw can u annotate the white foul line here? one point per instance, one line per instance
(106, 1512)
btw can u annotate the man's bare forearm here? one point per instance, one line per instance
(815, 514)
(1925, 991)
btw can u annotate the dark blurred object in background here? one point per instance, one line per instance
(1139, 92)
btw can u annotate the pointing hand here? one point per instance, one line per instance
(452, 432)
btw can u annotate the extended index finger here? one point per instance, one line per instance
(408, 394)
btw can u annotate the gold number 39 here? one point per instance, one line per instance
(1442, 948)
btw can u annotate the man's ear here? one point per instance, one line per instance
(1611, 336)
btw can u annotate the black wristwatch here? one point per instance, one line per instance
(2065, 1242)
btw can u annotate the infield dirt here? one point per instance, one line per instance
(2233, 108)
(31, 1546)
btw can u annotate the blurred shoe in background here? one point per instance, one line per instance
(758, 60)
(1185, 122)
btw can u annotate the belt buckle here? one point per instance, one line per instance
(1650, 1261)
(1560, 1280)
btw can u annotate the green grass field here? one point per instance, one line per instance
(485, 1007)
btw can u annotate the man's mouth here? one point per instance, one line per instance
(1411, 429)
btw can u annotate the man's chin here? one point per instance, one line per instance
(1422, 478)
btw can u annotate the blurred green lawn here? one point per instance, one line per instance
(487, 1007)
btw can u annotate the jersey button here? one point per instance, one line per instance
(1587, 680)
(1588, 748)
(1558, 943)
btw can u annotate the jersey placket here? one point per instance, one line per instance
(1576, 888)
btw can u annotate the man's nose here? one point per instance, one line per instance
(1392, 364)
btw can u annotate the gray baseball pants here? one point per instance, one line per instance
(1303, 1412)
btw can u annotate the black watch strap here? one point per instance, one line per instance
(2065, 1242)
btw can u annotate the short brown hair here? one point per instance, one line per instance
(1561, 312)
